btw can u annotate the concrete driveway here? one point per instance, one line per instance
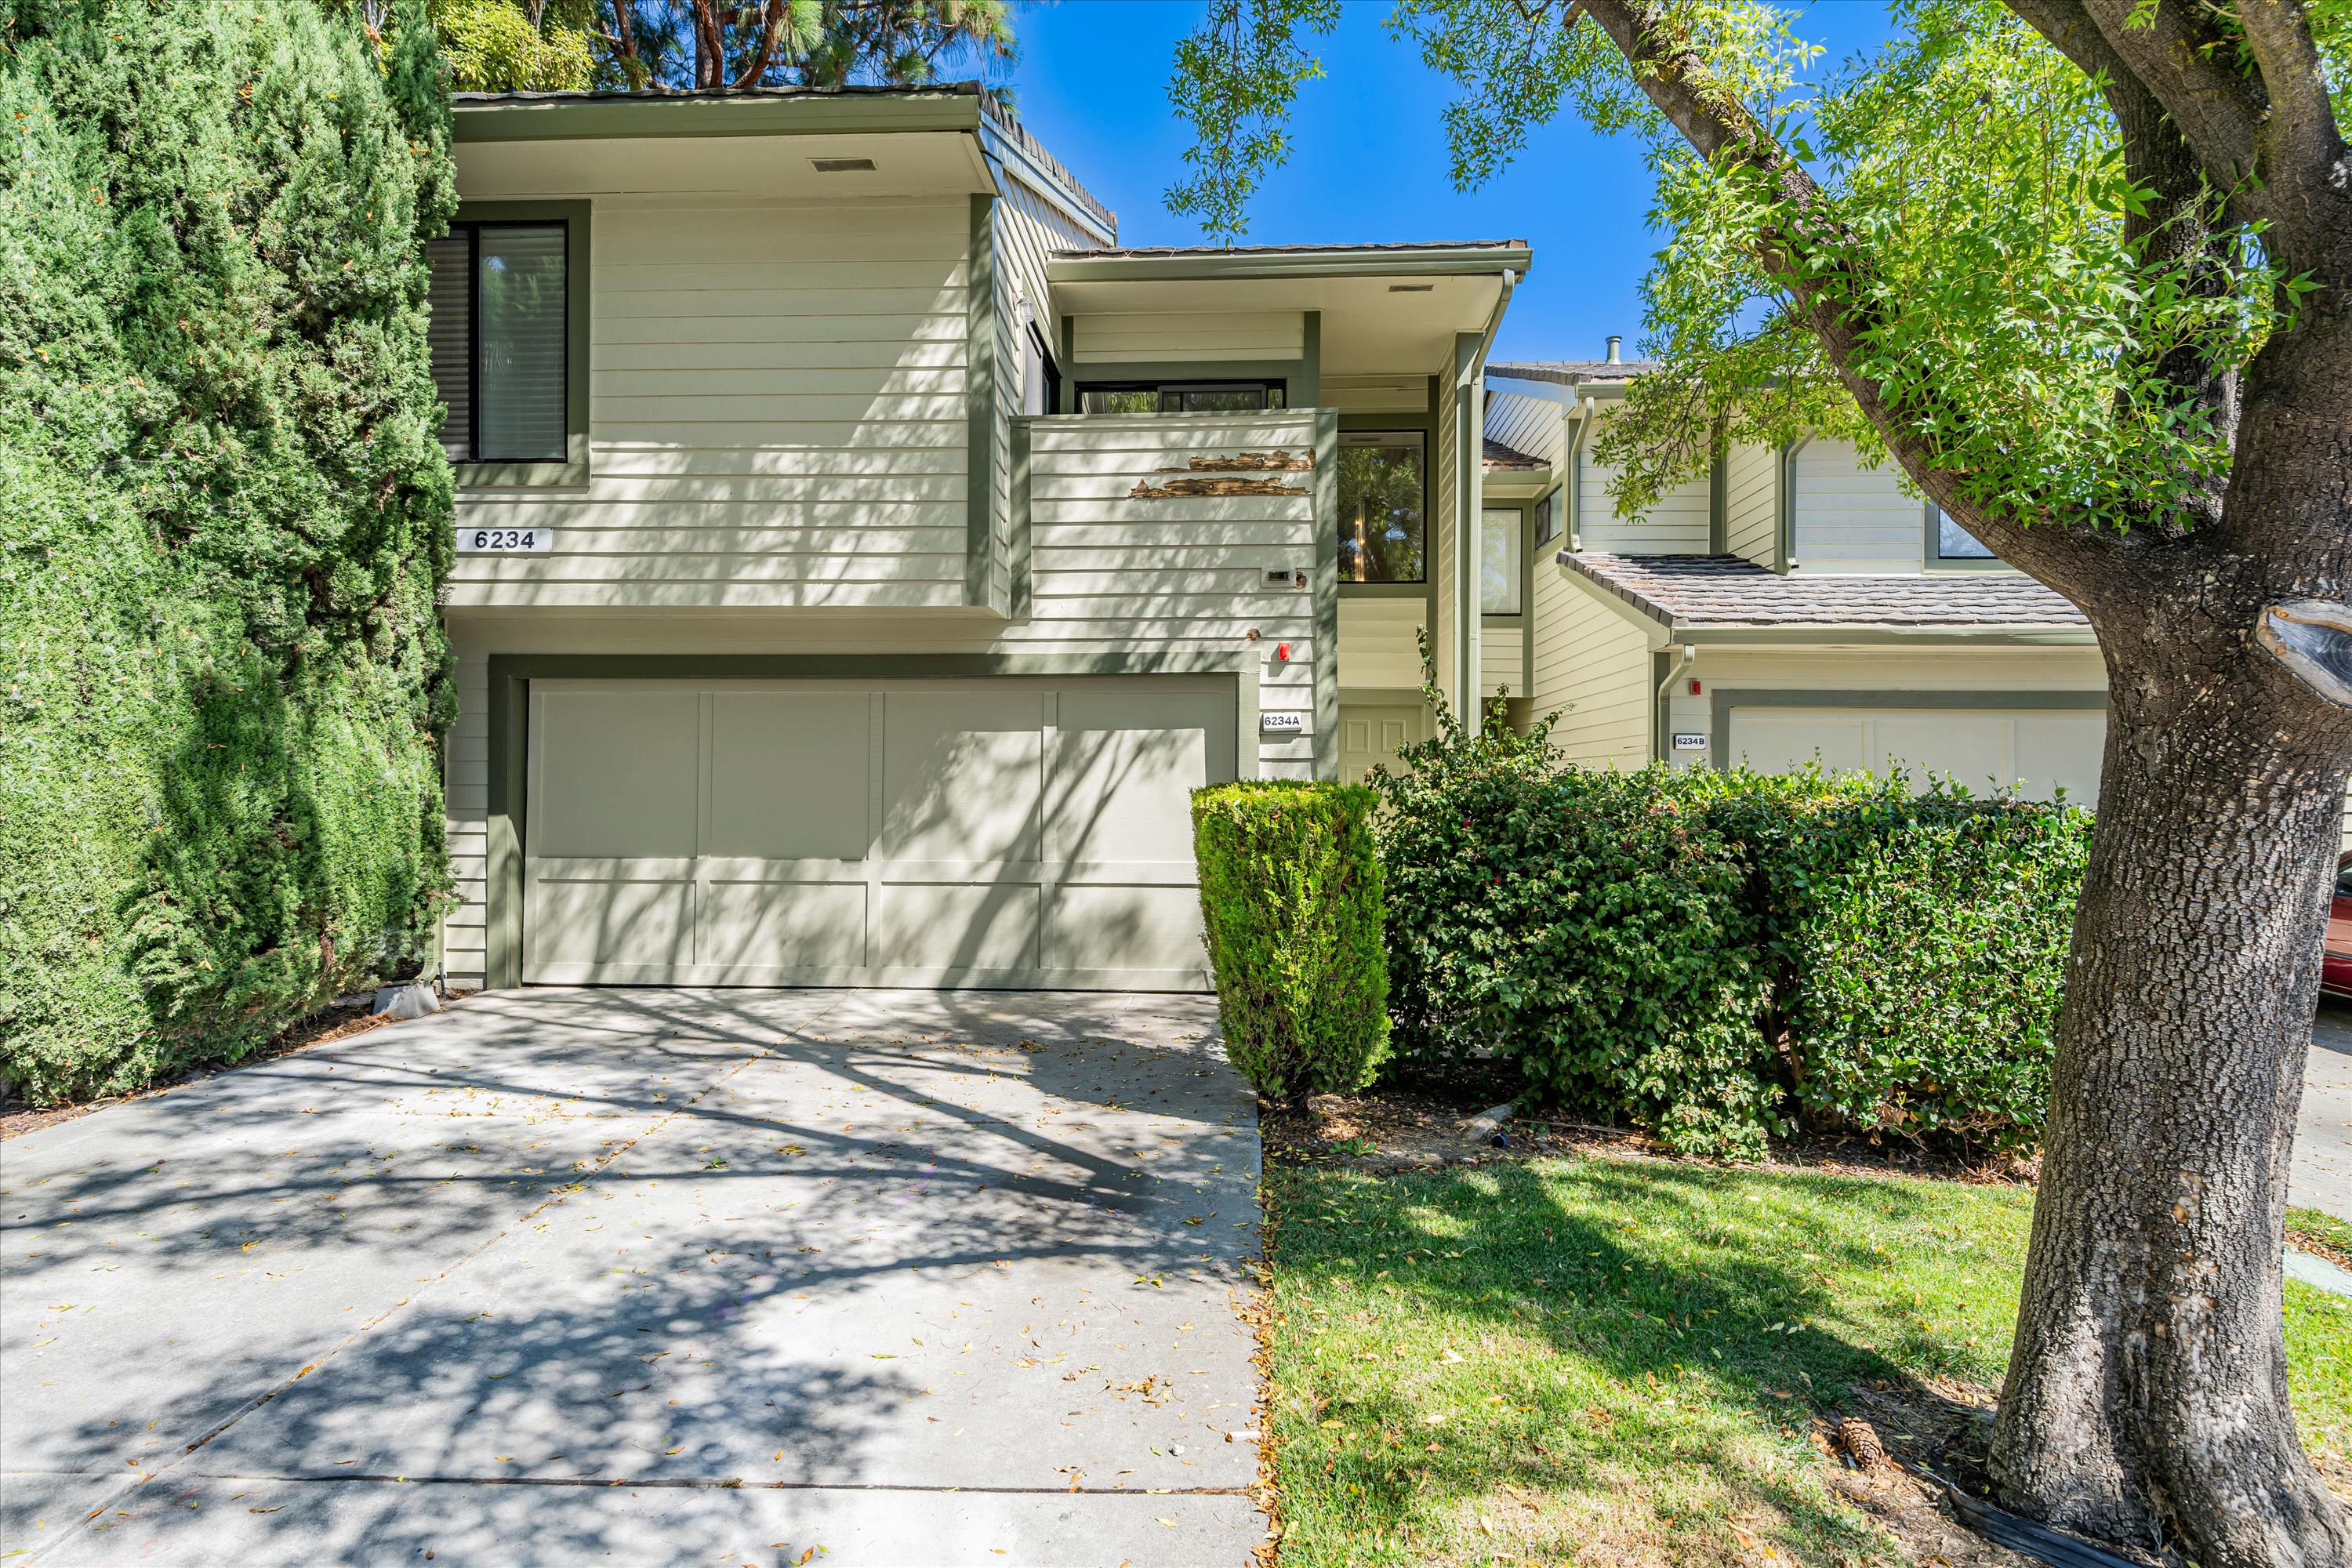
(649, 1277)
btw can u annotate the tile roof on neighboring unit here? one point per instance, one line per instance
(1571, 371)
(1498, 456)
(1728, 591)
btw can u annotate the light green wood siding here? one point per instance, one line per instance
(1674, 524)
(1751, 502)
(1591, 668)
(1851, 519)
(778, 415)
(1188, 337)
(1113, 577)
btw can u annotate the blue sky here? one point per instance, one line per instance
(1368, 160)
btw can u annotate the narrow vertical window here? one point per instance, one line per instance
(451, 335)
(499, 340)
(1498, 561)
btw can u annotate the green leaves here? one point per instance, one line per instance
(224, 518)
(1291, 901)
(1235, 79)
(1717, 956)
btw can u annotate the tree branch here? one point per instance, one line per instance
(1835, 296)
(2305, 167)
(2178, 54)
(2184, 225)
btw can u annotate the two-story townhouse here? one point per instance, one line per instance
(860, 556)
(1789, 606)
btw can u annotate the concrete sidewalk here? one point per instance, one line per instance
(2322, 1174)
(638, 1275)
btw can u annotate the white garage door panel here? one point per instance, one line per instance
(787, 925)
(614, 771)
(1021, 832)
(789, 774)
(2033, 751)
(962, 775)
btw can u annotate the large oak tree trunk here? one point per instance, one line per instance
(2147, 1397)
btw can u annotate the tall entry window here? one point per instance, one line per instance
(1500, 562)
(499, 308)
(1382, 493)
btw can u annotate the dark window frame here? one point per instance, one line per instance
(1936, 561)
(1267, 388)
(576, 218)
(1420, 440)
(1525, 511)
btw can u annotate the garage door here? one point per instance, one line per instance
(1001, 831)
(2036, 750)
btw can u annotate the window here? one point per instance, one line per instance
(499, 319)
(1199, 397)
(1381, 507)
(1500, 562)
(1948, 541)
(1548, 518)
(1041, 380)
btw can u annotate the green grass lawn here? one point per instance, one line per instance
(1617, 1361)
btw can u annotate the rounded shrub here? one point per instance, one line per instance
(1917, 948)
(1291, 903)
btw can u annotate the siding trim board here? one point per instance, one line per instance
(1327, 583)
(1724, 698)
(578, 219)
(980, 405)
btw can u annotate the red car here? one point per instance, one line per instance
(2336, 968)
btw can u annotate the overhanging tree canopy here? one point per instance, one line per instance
(676, 45)
(2083, 269)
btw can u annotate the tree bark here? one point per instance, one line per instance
(2146, 1396)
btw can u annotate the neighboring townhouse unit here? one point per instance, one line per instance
(860, 557)
(1789, 605)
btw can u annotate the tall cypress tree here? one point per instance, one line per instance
(224, 514)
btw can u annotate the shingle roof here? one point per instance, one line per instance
(1696, 590)
(1498, 456)
(1571, 371)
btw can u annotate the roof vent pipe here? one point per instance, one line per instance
(1615, 343)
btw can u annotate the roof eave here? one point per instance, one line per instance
(586, 117)
(1445, 261)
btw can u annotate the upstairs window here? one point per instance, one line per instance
(1381, 499)
(1948, 541)
(1186, 397)
(500, 314)
(1500, 562)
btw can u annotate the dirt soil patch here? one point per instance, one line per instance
(1446, 1120)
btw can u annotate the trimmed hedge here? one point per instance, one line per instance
(1291, 903)
(1592, 926)
(1723, 957)
(1916, 946)
(224, 513)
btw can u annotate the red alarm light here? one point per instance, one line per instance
(1282, 652)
